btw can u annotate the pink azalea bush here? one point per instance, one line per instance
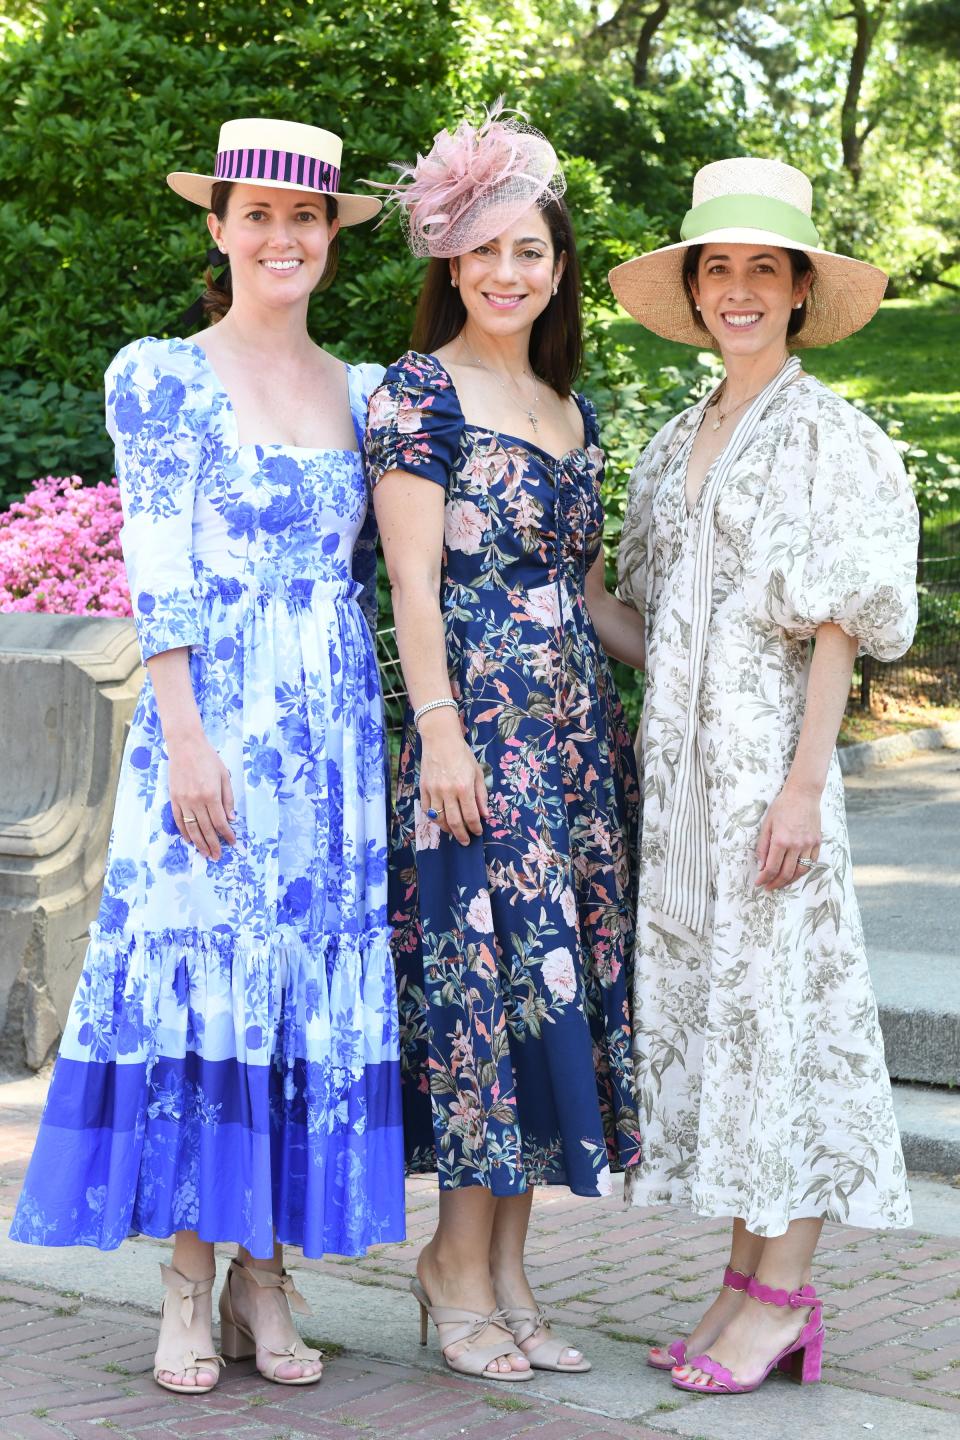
(60, 550)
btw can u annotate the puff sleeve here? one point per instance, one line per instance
(632, 561)
(414, 422)
(157, 414)
(362, 381)
(837, 538)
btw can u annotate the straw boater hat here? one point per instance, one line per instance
(280, 155)
(750, 202)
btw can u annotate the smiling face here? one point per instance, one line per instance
(277, 240)
(746, 294)
(507, 282)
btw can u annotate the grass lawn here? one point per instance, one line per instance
(906, 357)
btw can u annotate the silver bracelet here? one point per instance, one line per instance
(433, 705)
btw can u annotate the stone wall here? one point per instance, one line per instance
(68, 686)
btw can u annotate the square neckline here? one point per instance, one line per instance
(555, 460)
(269, 444)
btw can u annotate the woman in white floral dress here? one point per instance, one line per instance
(770, 514)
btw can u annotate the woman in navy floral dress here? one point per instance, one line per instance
(229, 1070)
(512, 894)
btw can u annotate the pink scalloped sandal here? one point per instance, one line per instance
(732, 1280)
(802, 1360)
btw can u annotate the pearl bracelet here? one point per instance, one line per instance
(433, 705)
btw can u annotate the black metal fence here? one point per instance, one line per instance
(931, 667)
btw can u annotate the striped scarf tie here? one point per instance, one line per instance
(686, 883)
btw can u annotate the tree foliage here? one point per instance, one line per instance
(100, 98)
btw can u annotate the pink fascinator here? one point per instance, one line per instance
(474, 184)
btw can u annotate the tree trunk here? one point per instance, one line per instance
(651, 24)
(852, 135)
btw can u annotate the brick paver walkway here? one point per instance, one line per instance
(53, 1383)
(893, 1329)
(892, 1299)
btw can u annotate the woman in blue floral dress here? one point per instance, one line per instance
(229, 1070)
(512, 888)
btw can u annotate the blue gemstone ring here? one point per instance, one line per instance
(435, 814)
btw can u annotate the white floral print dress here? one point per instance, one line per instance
(758, 1056)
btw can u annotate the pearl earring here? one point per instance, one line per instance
(698, 307)
(453, 282)
(555, 289)
(799, 305)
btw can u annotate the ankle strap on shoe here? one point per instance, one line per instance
(272, 1280)
(794, 1299)
(185, 1289)
(735, 1279)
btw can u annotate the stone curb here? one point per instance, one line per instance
(869, 754)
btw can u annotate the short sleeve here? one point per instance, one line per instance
(839, 543)
(158, 402)
(362, 380)
(635, 533)
(414, 422)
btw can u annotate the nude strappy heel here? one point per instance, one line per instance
(189, 1349)
(523, 1323)
(474, 1360)
(238, 1342)
(677, 1352)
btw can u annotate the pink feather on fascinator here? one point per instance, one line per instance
(474, 184)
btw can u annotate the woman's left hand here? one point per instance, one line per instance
(790, 832)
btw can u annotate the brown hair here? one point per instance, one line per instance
(556, 341)
(218, 294)
(800, 264)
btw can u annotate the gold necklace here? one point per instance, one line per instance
(723, 414)
(529, 411)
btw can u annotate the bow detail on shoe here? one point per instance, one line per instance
(523, 1323)
(179, 1286)
(270, 1280)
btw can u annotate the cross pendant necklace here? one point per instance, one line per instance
(530, 411)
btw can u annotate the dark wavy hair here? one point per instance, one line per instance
(218, 294)
(800, 264)
(556, 341)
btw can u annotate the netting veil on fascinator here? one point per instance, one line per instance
(474, 184)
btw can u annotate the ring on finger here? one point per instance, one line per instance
(189, 819)
(806, 861)
(434, 814)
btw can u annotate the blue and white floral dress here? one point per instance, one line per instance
(230, 1062)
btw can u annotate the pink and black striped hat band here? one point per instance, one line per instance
(298, 171)
(278, 155)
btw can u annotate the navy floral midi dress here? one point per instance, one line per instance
(513, 953)
(230, 1064)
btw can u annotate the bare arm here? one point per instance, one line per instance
(620, 629)
(410, 518)
(199, 780)
(791, 826)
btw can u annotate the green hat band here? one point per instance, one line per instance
(749, 212)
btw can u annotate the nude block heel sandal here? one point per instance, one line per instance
(238, 1342)
(473, 1361)
(177, 1355)
(677, 1352)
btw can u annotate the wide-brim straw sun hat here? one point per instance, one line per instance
(279, 155)
(749, 201)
